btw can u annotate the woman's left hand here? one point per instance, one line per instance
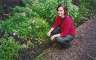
(54, 36)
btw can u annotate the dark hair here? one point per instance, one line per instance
(64, 7)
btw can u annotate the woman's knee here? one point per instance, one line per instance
(66, 39)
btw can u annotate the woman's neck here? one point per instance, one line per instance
(62, 16)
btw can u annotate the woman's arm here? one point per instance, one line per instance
(49, 33)
(56, 23)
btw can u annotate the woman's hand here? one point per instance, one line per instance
(54, 36)
(49, 33)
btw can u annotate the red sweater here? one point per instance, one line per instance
(67, 27)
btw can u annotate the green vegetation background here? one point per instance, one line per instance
(33, 19)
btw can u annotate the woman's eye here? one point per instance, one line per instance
(60, 10)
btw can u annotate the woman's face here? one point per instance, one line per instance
(61, 11)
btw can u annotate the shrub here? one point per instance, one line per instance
(47, 8)
(26, 27)
(8, 48)
(23, 11)
(73, 10)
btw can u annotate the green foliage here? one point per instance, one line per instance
(40, 28)
(16, 24)
(90, 5)
(84, 11)
(26, 27)
(42, 8)
(8, 48)
(87, 8)
(73, 10)
(47, 8)
(25, 11)
(33, 20)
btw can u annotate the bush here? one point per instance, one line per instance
(40, 28)
(90, 6)
(8, 48)
(25, 11)
(42, 8)
(47, 8)
(26, 27)
(73, 10)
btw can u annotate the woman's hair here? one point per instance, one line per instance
(64, 7)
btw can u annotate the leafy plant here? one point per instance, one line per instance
(8, 48)
(25, 27)
(40, 28)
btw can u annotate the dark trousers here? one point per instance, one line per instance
(64, 41)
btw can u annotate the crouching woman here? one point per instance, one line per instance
(63, 30)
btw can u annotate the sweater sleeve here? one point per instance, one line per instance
(56, 23)
(66, 26)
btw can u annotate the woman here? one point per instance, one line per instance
(67, 28)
